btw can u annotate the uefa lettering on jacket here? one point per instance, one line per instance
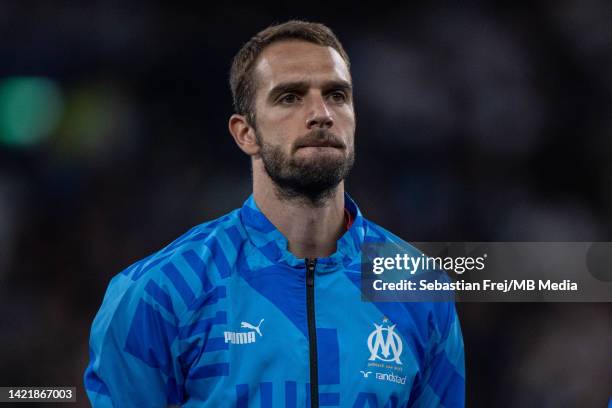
(224, 317)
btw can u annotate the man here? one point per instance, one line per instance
(262, 307)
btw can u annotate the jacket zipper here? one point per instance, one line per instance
(312, 332)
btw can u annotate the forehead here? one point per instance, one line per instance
(295, 60)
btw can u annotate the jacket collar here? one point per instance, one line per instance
(273, 245)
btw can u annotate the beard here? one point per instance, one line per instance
(311, 179)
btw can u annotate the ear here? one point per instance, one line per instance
(243, 134)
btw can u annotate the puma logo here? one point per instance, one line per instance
(247, 325)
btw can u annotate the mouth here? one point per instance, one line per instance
(320, 139)
(322, 143)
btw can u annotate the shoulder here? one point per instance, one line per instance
(436, 317)
(184, 273)
(374, 234)
(204, 241)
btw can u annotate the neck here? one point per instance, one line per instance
(311, 229)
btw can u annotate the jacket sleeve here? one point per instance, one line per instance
(133, 339)
(443, 381)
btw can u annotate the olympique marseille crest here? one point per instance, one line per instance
(384, 344)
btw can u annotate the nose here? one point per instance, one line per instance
(319, 116)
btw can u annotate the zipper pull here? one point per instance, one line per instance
(310, 268)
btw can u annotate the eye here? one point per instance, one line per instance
(288, 99)
(338, 96)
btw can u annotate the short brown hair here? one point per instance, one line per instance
(242, 81)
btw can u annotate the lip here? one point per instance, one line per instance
(322, 144)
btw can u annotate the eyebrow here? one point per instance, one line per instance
(302, 86)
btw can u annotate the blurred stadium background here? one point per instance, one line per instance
(477, 122)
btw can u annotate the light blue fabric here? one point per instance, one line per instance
(218, 318)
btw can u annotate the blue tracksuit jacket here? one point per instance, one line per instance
(225, 316)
